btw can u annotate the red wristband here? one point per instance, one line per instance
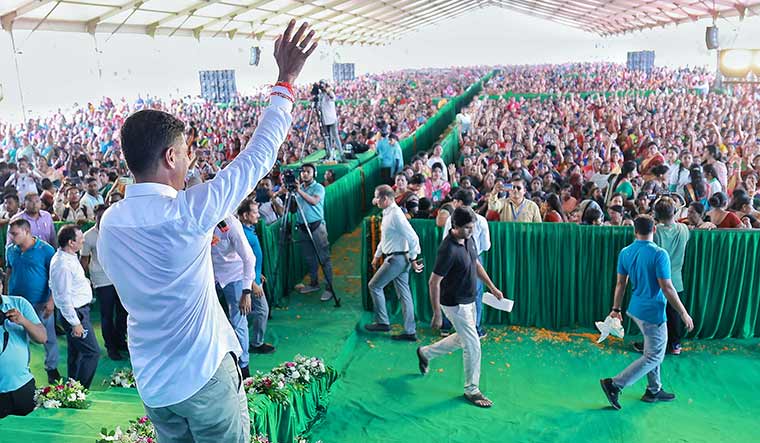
(285, 96)
(287, 86)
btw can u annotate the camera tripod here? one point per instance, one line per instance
(323, 132)
(285, 232)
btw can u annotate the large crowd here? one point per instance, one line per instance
(602, 159)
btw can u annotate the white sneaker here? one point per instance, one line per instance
(308, 289)
(327, 295)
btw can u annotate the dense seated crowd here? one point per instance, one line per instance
(592, 77)
(599, 160)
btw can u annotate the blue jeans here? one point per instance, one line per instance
(216, 413)
(395, 269)
(51, 345)
(655, 344)
(233, 292)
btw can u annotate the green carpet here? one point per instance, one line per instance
(544, 385)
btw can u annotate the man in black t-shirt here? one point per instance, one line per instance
(453, 288)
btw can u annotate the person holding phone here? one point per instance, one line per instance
(400, 246)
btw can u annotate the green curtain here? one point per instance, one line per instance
(563, 275)
(544, 96)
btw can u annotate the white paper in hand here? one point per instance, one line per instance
(504, 304)
(610, 326)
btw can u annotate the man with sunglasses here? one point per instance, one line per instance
(518, 208)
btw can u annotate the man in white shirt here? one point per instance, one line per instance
(113, 317)
(72, 295)
(234, 273)
(24, 180)
(482, 237)
(155, 246)
(92, 197)
(334, 149)
(400, 246)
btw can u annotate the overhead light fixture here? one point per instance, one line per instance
(736, 62)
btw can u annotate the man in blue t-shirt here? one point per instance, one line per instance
(21, 323)
(648, 267)
(248, 213)
(28, 267)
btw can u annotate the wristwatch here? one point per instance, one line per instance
(247, 292)
(613, 309)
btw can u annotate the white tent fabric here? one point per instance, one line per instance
(372, 22)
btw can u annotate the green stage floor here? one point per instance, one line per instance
(544, 385)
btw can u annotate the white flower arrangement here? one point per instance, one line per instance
(69, 394)
(123, 378)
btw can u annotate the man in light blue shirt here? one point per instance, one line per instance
(28, 260)
(155, 246)
(16, 381)
(648, 268)
(391, 156)
(310, 197)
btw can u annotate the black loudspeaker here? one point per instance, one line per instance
(711, 37)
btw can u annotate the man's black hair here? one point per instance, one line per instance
(310, 165)
(643, 224)
(145, 136)
(66, 234)
(461, 217)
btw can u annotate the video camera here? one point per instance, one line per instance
(318, 88)
(289, 179)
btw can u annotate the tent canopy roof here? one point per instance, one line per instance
(371, 22)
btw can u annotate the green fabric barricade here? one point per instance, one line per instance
(563, 275)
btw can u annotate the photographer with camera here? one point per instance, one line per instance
(310, 198)
(18, 323)
(325, 98)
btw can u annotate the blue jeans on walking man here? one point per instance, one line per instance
(655, 345)
(51, 345)
(395, 269)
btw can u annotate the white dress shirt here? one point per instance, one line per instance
(70, 287)
(397, 234)
(90, 249)
(155, 246)
(231, 255)
(91, 201)
(480, 233)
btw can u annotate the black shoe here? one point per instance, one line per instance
(53, 376)
(482, 334)
(423, 362)
(404, 337)
(638, 347)
(611, 392)
(263, 349)
(377, 327)
(245, 372)
(114, 355)
(660, 396)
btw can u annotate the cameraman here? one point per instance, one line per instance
(16, 381)
(310, 197)
(326, 102)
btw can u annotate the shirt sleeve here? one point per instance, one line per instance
(87, 246)
(61, 281)
(243, 249)
(443, 261)
(663, 265)
(210, 202)
(622, 267)
(409, 234)
(485, 235)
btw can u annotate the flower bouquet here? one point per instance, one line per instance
(122, 378)
(272, 385)
(69, 394)
(139, 431)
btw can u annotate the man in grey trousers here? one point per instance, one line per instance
(400, 246)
